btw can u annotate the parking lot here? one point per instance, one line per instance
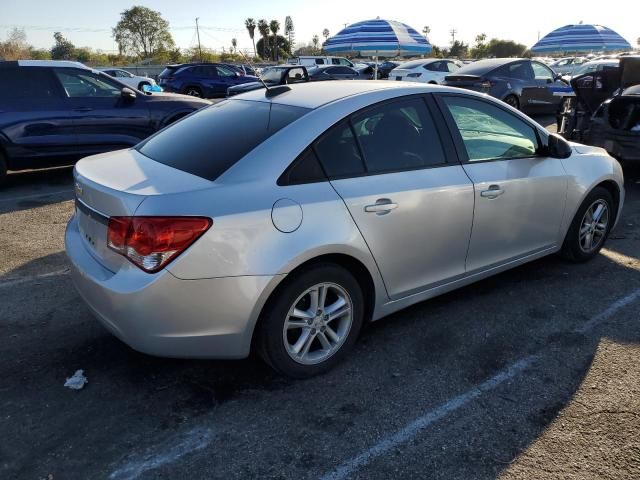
(531, 374)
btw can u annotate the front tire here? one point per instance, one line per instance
(312, 321)
(590, 226)
(512, 101)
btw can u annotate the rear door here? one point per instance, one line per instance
(521, 80)
(549, 93)
(103, 120)
(35, 117)
(519, 194)
(412, 202)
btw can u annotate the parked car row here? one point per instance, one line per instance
(53, 113)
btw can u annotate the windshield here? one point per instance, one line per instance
(272, 76)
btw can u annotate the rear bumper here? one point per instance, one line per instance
(162, 315)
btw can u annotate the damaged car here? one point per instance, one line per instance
(606, 110)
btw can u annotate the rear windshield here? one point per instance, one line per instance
(167, 72)
(211, 140)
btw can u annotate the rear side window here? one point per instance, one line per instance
(339, 153)
(306, 169)
(398, 136)
(27, 83)
(210, 141)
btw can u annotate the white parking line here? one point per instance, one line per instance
(35, 195)
(192, 441)
(412, 429)
(420, 423)
(10, 282)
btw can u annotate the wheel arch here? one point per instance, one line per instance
(350, 263)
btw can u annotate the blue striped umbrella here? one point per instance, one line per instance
(378, 38)
(581, 38)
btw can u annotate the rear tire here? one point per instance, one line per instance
(300, 343)
(586, 237)
(512, 101)
(193, 92)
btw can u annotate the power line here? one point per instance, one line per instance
(100, 30)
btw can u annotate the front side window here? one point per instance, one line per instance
(79, 84)
(225, 71)
(541, 72)
(398, 136)
(490, 133)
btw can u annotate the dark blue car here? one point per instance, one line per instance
(205, 80)
(53, 113)
(522, 83)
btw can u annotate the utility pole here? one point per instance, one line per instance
(453, 32)
(198, 32)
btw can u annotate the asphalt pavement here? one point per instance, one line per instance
(531, 374)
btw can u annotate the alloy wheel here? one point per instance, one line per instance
(193, 92)
(593, 227)
(318, 323)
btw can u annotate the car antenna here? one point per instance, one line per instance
(270, 91)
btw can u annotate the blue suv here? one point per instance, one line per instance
(55, 112)
(204, 80)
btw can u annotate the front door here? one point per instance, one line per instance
(413, 208)
(103, 119)
(35, 118)
(519, 194)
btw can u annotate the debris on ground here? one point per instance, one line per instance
(77, 381)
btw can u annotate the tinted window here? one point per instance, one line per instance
(306, 169)
(79, 84)
(397, 136)
(27, 83)
(319, 61)
(210, 141)
(295, 75)
(433, 67)
(338, 152)
(520, 70)
(225, 71)
(490, 133)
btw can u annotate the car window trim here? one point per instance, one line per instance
(457, 136)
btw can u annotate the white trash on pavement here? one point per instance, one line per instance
(77, 381)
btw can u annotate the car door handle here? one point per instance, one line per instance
(381, 207)
(494, 191)
(83, 109)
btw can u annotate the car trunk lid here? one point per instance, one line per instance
(115, 184)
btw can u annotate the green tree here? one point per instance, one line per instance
(263, 28)
(274, 26)
(479, 50)
(315, 41)
(234, 45)
(250, 25)
(289, 31)
(142, 32)
(63, 48)
(505, 48)
(458, 49)
(265, 45)
(38, 54)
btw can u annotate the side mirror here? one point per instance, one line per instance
(127, 94)
(558, 147)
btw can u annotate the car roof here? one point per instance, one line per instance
(46, 63)
(484, 66)
(315, 94)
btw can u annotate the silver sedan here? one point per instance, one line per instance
(283, 220)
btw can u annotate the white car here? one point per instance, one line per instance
(566, 66)
(133, 81)
(426, 70)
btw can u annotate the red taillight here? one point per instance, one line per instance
(152, 242)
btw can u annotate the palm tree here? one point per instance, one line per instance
(274, 26)
(250, 25)
(263, 28)
(325, 34)
(234, 45)
(288, 31)
(315, 40)
(426, 30)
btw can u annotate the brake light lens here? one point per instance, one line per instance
(151, 243)
(414, 75)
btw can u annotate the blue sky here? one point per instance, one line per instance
(89, 23)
